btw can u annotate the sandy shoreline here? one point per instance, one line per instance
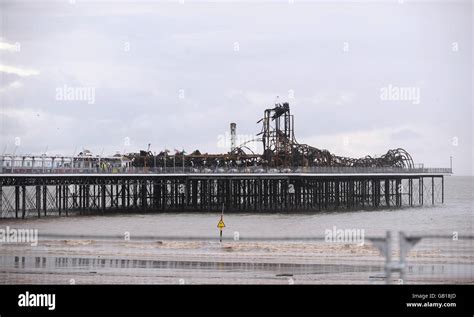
(89, 261)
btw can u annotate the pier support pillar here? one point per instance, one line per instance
(23, 201)
(387, 192)
(45, 197)
(17, 200)
(442, 191)
(398, 193)
(38, 200)
(102, 196)
(432, 190)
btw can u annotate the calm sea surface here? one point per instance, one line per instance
(455, 215)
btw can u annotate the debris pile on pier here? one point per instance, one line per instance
(280, 150)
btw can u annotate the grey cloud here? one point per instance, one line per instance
(282, 47)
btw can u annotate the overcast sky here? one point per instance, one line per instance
(176, 74)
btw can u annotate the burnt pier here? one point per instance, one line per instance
(41, 195)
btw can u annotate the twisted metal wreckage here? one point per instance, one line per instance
(280, 150)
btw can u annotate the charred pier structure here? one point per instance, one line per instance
(280, 150)
(286, 177)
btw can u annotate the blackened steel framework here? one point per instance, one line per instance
(24, 196)
(280, 150)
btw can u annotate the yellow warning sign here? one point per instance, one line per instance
(221, 224)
